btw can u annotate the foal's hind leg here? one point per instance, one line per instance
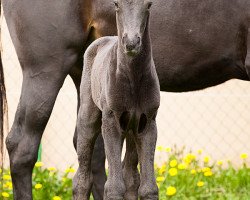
(36, 102)
(130, 171)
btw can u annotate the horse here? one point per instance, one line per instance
(196, 44)
(119, 97)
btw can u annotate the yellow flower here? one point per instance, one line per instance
(206, 159)
(193, 171)
(52, 169)
(158, 185)
(160, 179)
(200, 184)
(38, 164)
(173, 163)
(208, 173)
(56, 198)
(171, 191)
(189, 158)
(219, 162)
(206, 169)
(172, 171)
(162, 169)
(8, 185)
(70, 169)
(6, 177)
(5, 194)
(199, 151)
(182, 166)
(244, 156)
(38, 186)
(168, 149)
(159, 148)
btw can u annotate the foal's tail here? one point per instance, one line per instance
(3, 101)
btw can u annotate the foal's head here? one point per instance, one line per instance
(132, 19)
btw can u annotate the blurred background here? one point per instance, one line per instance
(216, 120)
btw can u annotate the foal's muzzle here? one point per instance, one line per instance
(131, 44)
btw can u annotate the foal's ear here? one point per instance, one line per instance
(149, 4)
(116, 4)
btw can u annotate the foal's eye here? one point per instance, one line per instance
(149, 5)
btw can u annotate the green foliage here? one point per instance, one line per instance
(182, 177)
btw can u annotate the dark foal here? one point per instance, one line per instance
(196, 44)
(120, 96)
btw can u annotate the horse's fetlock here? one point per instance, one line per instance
(147, 192)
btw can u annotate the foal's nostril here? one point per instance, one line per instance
(130, 47)
(138, 40)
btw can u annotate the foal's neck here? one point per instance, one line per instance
(138, 65)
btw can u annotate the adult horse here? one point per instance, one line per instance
(196, 44)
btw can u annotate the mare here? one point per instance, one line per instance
(119, 97)
(196, 44)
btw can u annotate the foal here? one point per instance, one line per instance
(120, 96)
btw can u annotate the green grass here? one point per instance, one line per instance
(177, 179)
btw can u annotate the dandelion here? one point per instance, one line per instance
(162, 169)
(6, 177)
(38, 186)
(56, 198)
(244, 156)
(206, 169)
(193, 171)
(160, 179)
(220, 163)
(38, 164)
(173, 171)
(189, 158)
(182, 166)
(173, 163)
(70, 169)
(170, 191)
(5, 194)
(168, 149)
(199, 151)
(159, 148)
(200, 184)
(208, 173)
(206, 159)
(52, 169)
(8, 185)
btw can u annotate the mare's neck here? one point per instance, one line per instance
(139, 64)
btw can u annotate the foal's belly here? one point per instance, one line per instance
(196, 43)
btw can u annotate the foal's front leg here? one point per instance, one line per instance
(130, 171)
(114, 187)
(145, 143)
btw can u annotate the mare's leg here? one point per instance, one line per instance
(114, 187)
(145, 143)
(88, 128)
(36, 102)
(98, 158)
(130, 171)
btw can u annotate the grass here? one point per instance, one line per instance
(183, 176)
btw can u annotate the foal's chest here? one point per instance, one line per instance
(134, 104)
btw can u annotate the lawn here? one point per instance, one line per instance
(188, 176)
